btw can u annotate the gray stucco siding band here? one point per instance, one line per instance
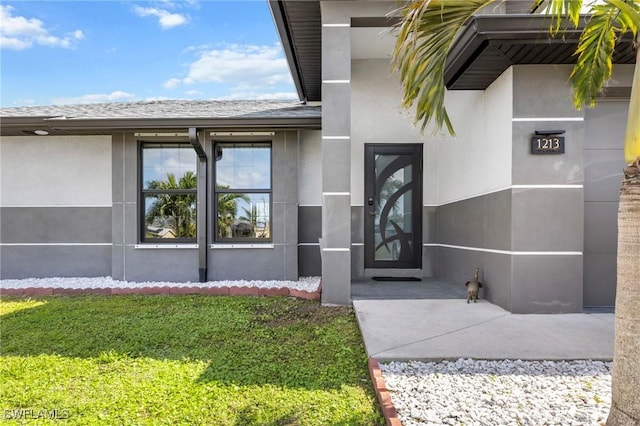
(64, 225)
(56, 260)
(309, 224)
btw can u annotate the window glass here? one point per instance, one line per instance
(243, 166)
(242, 215)
(243, 191)
(168, 196)
(160, 161)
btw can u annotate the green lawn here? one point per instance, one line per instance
(183, 360)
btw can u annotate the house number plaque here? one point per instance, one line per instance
(547, 144)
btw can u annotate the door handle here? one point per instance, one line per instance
(372, 213)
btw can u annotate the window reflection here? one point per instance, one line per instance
(169, 182)
(244, 215)
(243, 191)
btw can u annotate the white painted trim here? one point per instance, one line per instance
(336, 193)
(308, 244)
(337, 137)
(164, 246)
(160, 134)
(242, 133)
(530, 119)
(241, 246)
(337, 25)
(336, 249)
(309, 205)
(357, 244)
(53, 244)
(507, 252)
(336, 81)
(41, 206)
(547, 186)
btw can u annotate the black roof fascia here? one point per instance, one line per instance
(484, 30)
(299, 26)
(282, 26)
(18, 125)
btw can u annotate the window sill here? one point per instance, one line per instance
(165, 246)
(242, 246)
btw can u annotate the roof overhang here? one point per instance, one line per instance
(299, 26)
(485, 48)
(21, 126)
(490, 44)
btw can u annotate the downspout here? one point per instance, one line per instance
(201, 207)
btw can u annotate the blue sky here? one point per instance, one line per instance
(62, 52)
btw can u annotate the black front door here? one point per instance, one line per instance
(393, 206)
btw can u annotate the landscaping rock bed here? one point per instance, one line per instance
(476, 392)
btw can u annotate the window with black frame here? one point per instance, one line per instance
(242, 192)
(168, 192)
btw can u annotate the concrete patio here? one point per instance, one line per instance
(430, 320)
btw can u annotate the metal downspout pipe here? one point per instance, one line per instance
(201, 206)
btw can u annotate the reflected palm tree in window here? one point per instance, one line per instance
(173, 213)
(228, 210)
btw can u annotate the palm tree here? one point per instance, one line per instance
(227, 209)
(177, 209)
(426, 33)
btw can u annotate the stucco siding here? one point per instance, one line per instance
(55, 206)
(310, 168)
(55, 171)
(478, 159)
(603, 162)
(377, 117)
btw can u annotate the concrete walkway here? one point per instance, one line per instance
(436, 329)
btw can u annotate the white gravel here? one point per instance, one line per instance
(474, 392)
(304, 283)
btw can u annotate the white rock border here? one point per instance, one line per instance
(309, 284)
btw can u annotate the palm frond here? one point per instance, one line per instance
(595, 52)
(560, 10)
(630, 13)
(425, 35)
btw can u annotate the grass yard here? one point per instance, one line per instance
(183, 360)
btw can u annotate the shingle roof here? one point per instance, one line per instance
(168, 114)
(170, 109)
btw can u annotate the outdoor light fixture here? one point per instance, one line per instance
(549, 132)
(41, 132)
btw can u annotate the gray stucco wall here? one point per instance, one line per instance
(55, 242)
(277, 259)
(309, 203)
(604, 161)
(527, 237)
(55, 206)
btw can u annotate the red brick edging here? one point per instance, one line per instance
(384, 397)
(212, 291)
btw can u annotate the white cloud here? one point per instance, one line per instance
(172, 83)
(250, 71)
(20, 33)
(240, 64)
(166, 19)
(117, 96)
